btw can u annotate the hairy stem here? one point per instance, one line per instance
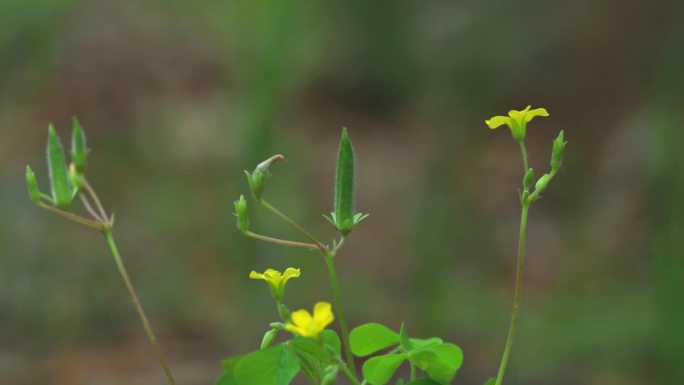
(337, 296)
(138, 306)
(73, 217)
(517, 295)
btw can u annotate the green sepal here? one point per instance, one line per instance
(380, 369)
(406, 343)
(79, 149)
(344, 185)
(32, 185)
(59, 175)
(370, 338)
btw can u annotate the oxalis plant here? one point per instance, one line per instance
(301, 342)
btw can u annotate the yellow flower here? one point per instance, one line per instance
(306, 325)
(275, 280)
(516, 121)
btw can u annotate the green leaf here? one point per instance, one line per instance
(79, 150)
(370, 338)
(332, 341)
(379, 370)
(344, 185)
(274, 366)
(439, 362)
(312, 347)
(59, 177)
(423, 343)
(227, 378)
(230, 362)
(491, 381)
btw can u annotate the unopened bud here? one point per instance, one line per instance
(268, 338)
(261, 173)
(528, 179)
(557, 151)
(542, 182)
(32, 185)
(242, 214)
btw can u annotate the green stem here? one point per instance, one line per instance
(279, 241)
(350, 374)
(517, 295)
(335, 285)
(295, 225)
(138, 306)
(523, 151)
(413, 371)
(73, 217)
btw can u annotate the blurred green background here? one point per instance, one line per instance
(178, 97)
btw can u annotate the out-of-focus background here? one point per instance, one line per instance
(177, 98)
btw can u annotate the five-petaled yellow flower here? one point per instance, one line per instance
(276, 281)
(516, 121)
(306, 325)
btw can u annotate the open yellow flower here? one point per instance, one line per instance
(275, 280)
(516, 120)
(306, 325)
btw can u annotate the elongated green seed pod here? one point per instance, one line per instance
(59, 175)
(344, 185)
(79, 150)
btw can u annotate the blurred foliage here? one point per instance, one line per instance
(179, 97)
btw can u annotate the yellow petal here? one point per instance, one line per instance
(497, 121)
(323, 314)
(301, 318)
(293, 329)
(290, 273)
(536, 112)
(255, 275)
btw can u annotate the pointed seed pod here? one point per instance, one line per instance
(344, 185)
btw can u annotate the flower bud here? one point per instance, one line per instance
(542, 182)
(268, 338)
(557, 152)
(528, 179)
(32, 185)
(242, 214)
(79, 150)
(261, 173)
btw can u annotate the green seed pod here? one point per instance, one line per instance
(242, 214)
(528, 180)
(268, 338)
(344, 185)
(557, 151)
(79, 150)
(59, 178)
(32, 185)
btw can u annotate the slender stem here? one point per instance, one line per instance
(413, 371)
(350, 374)
(93, 195)
(89, 208)
(279, 241)
(294, 224)
(73, 217)
(517, 295)
(337, 296)
(523, 151)
(138, 306)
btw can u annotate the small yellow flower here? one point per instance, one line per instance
(516, 121)
(306, 325)
(275, 280)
